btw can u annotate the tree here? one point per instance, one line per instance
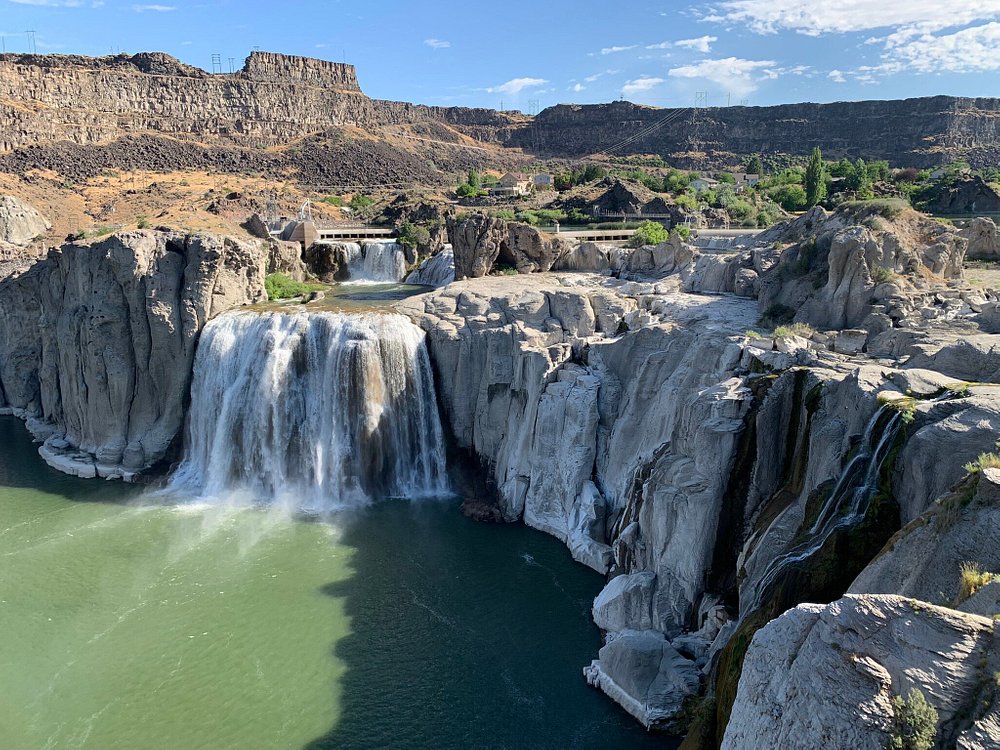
(755, 165)
(815, 178)
(915, 722)
(475, 179)
(649, 233)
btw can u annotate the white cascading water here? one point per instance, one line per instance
(381, 262)
(314, 411)
(845, 507)
(436, 271)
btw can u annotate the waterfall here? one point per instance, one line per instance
(381, 262)
(436, 271)
(845, 507)
(314, 410)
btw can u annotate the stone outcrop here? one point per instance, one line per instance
(853, 268)
(825, 676)
(97, 342)
(481, 241)
(964, 197)
(20, 223)
(983, 236)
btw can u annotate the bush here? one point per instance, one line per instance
(883, 275)
(411, 235)
(506, 214)
(682, 231)
(985, 461)
(279, 286)
(795, 329)
(649, 233)
(914, 724)
(361, 202)
(333, 200)
(791, 197)
(971, 578)
(687, 202)
(142, 222)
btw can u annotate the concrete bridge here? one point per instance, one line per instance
(353, 233)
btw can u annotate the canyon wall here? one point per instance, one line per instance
(911, 132)
(97, 342)
(275, 99)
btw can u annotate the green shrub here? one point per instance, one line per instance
(649, 233)
(333, 200)
(883, 275)
(506, 214)
(795, 329)
(279, 286)
(361, 202)
(790, 197)
(985, 461)
(687, 202)
(411, 235)
(502, 269)
(682, 231)
(142, 222)
(914, 722)
(465, 190)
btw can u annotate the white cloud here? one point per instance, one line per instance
(972, 50)
(153, 8)
(661, 45)
(437, 43)
(641, 85)
(702, 44)
(836, 76)
(770, 16)
(578, 87)
(516, 85)
(731, 73)
(615, 50)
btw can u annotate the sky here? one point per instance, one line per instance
(529, 55)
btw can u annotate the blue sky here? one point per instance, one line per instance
(473, 53)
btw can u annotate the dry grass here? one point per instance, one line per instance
(971, 579)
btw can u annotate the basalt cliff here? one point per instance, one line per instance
(778, 456)
(282, 115)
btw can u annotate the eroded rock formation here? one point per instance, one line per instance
(97, 342)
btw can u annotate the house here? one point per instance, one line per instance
(513, 184)
(542, 181)
(745, 180)
(701, 184)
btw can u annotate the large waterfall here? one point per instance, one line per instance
(313, 410)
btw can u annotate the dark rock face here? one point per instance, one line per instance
(480, 241)
(970, 196)
(912, 132)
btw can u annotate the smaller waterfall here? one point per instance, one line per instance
(845, 507)
(436, 271)
(313, 410)
(381, 262)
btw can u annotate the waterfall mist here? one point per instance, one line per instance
(315, 411)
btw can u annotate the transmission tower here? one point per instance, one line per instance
(533, 107)
(31, 41)
(216, 63)
(232, 65)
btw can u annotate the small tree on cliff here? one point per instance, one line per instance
(755, 165)
(815, 178)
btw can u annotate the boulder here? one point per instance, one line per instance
(983, 236)
(825, 676)
(476, 243)
(20, 223)
(641, 671)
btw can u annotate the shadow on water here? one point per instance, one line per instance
(466, 635)
(22, 467)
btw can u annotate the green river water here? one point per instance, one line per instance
(130, 625)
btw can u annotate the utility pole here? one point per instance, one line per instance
(231, 70)
(216, 63)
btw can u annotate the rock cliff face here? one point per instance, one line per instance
(913, 132)
(277, 99)
(97, 342)
(718, 479)
(841, 665)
